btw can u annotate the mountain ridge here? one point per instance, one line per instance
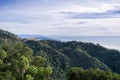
(64, 55)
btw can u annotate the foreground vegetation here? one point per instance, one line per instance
(18, 63)
(91, 74)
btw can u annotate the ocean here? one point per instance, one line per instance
(112, 42)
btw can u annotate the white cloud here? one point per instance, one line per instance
(43, 17)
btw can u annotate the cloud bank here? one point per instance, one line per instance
(61, 17)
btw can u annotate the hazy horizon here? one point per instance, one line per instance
(111, 42)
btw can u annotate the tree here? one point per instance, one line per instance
(32, 70)
(39, 61)
(3, 55)
(43, 73)
(18, 45)
(24, 65)
(74, 73)
(29, 77)
(47, 72)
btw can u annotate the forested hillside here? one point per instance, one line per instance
(18, 63)
(7, 35)
(110, 57)
(65, 55)
(25, 59)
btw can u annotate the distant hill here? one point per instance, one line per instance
(64, 55)
(7, 35)
(110, 57)
(38, 37)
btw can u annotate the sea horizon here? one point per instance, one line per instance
(111, 42)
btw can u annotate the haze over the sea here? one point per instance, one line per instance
(112, 42)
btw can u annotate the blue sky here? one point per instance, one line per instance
(61, 17)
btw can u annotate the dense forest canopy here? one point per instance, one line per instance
(18, 63)
(25, 59)
(90, 74)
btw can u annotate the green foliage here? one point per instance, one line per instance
(74, 73)
(40, 73)
(64, 55)
(24, 62)
(18, 63)
(32, 70)
(39, 61)
(3, 54)
(90, 74)
(29, 77)
(48, 71)
(1, 61)
(28, 60)
(18, 45)
(43, 73)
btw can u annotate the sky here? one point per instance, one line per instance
(61, 17)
